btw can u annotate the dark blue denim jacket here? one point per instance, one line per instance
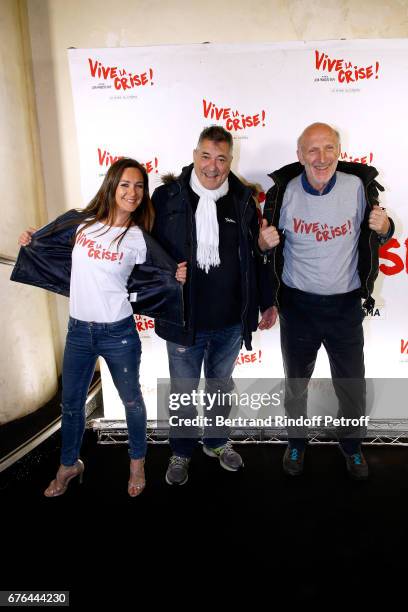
(46, 263)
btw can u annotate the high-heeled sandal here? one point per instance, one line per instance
(65, 474)
(136, 487)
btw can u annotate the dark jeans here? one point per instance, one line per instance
(218, 350)
(308, 321)
(119, 344)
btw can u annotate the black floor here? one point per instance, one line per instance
(18, 432)
(317, 537)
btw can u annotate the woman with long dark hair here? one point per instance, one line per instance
(108, 240)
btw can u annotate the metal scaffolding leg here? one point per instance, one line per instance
(393, 432)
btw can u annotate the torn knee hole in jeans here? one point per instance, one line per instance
(65, 410)
(133, 405)
(181, 349)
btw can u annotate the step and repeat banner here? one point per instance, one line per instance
(151, 103)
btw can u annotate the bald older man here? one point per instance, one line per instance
(331, 228)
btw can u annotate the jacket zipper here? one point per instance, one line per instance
(192, 267)
(243, 227)
(274, 253)
(369, 244)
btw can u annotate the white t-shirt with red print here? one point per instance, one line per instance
(100, 271)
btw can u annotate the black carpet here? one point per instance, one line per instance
(319, 537)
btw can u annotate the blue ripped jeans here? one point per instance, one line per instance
(119, 344)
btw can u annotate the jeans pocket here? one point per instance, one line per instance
(121, 331)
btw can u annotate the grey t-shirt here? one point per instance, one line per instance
(321, 236)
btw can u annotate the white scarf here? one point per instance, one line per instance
(207, 222)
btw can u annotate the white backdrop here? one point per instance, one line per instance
(151, 103)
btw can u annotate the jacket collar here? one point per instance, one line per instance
(309, 189)
(236, 186)
(366, 173)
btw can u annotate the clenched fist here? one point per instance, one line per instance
(268, 236)
(181, 272)
(269, 317)
(25, 238)
(378, 220)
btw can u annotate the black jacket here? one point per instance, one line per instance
(368, 243)
(46, 263)
(175, 230)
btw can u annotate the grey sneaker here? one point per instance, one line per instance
(177, 472)
(229, 459)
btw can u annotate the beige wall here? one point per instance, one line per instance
(55, 25)
(27, 359)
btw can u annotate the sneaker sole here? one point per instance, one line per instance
(349, 472)
(178, 484)
(355, 477)
(292, 474)
(230, 469)
(210, 453)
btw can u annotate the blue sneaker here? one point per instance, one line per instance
(356, 464)
(293, 460)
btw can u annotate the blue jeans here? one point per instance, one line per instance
(218, 349)
(119, 344)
